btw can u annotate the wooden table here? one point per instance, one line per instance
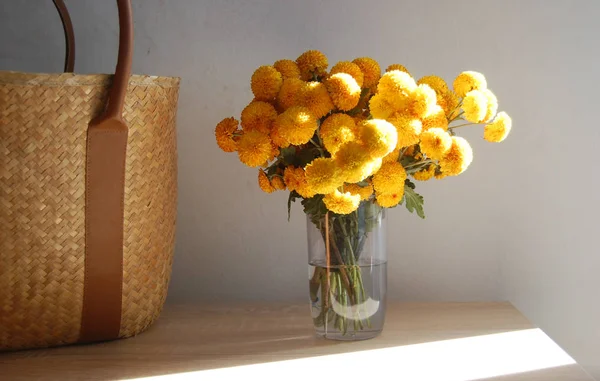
(421, 341)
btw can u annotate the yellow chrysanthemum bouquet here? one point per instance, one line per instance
(351, 136)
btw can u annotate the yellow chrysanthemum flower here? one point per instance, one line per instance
(224, 134)
(312, 63)
(435, 143)
(392, 156)
(390, 178)
(266, 83)
(437, 119)
(358, 119)
(446, 99)
(349, 68)
(492, 106)
(468, 81)
(305, 190)
(408, 129)
(258, 116)
(378, 136)
(499, 129)
(264, 183)
(323, 175)
(397, 67)
(344, 91)
(380, 107)
(425, 174)
(276, 138)
(458, 158)
(475, 106)
(441, 103)
(341, 203)
(254, 148)
(289, 94)
(295, 179)
(274, 151)
(370, 69)
(315, 97)
(449, 101)
(423, 101)
(277, 183)
(396, 82)
(296, 125)
(410, 151)
(375, 165)
(436, 83)
(356, 164)
(287, 68)
(292, 177)
(336, 130)
(389, 200)
(364, 192)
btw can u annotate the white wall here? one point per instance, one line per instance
(549, 227)
(520, 224)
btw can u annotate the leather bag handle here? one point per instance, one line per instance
(116, 98)
(69, 35)
(106, 155)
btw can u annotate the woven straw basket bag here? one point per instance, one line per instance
(88, 194)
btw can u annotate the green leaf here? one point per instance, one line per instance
(305, 156)
(288, 155)
(292, 198)
(315, 208)
(413, 201)
(407, 160)
(272, 170)
(368, 216)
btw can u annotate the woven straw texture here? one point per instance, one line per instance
(43, 126)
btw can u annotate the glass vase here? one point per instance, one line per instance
(348, 272)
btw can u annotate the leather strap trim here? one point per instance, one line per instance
(105, 184)
(104, 200)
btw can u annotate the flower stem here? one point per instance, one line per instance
(347, 238)
(318, 147)
(428, 161)
(339, 282)
(451, 118)
(315, 283)
(457, 116)
(462, 125)
(358, 288)
(336, 252)
(402, 151)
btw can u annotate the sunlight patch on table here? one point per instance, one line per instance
(464, 359)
